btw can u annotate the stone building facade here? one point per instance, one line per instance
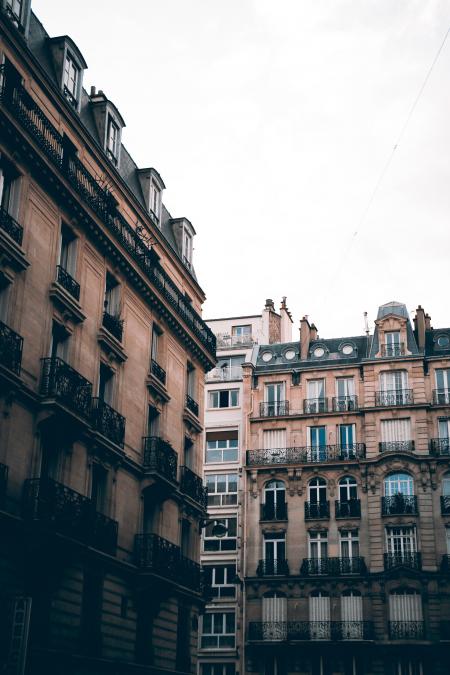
(103, 353)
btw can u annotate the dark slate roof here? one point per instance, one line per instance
(432, 338)
(393, 307)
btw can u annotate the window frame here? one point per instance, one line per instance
(232, 393)
(227, 448)
(229, 584)
(226, 493)
(223, 544)
(229, 638)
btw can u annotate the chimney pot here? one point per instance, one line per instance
(93, 91)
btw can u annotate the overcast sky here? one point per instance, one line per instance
(270, 123)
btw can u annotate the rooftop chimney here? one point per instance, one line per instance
(305, 338)
(286, 322)
(271, 323)
(420, 325)
(313, 332)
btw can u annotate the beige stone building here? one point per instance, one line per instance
(103, 353)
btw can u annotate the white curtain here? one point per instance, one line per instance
(405, 607)
(319, 616)
(274, 616)
(395, 430)
(352, 616)
(275, 438)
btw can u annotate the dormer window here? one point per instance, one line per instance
(70, 81)
(14, 10)
(187, 249)
(155, 199)
(152, 186)
(392, 344)
(69, 66)
(112, 144)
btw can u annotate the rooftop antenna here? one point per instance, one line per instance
(366, 324)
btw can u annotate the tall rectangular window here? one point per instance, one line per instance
(226, 543)
(442, 395)
(112, 140)
(222, 489)
(14, 10)
(318, 545)
(221, 446)
(392, 346)
(315, 401)
(275, 398)
(9, 189)
(70, 80)
(349, 543)
(218, 630)
(317, 444)
(99, 486)
(106, 384)
(401, 541)
(67, 250)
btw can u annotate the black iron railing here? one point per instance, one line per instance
(274, 511)
(3, 484)
(11, 226)
(398, 505)
(192, 486)
(393, 349)
(311, 406)
(306, 455)
(441, 396)
(333, 566)
(410, 559)
(317, 510)
(68, 282)
(272, 568)
(396, 446)
(280, 631)
(406, 630)
(63, 383)
(69, 513)
(158, 372)
(348, 509)
(440, 446)
(113, 324)
(345, 403)
(108, 421)
(29, 115)
(192, 405)
(11, 344)
(445, 505)
(274, 409)
(394, 397)
(159, 556)
(159, 457)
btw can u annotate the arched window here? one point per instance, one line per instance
(405, 614)
(348, 489)
(274, 493)
(398, 483)
(317, 491)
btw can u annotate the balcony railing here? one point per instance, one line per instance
(274, 409)
(158, 372)
(11, 227)
(108, 421)
(159, 556)
(28, 114)
(11, 344)
(348, 509)
(345, 403)
(225, 341)
(272, 568)
(63, 383)
(399, 505)
(280, 631)
(224, 374)
(440, 447)
(113, 324)
(396, 446)
(3, 484)
(274, 511)
(317, 511)
(445, 505)
(311, 406)
(412, 560)
(192, 486)
(441, 396)
(67, 282)
(394, 397)
(69, 513)
(333, 566)
(306, 455)
(406, 630)
(159, 457)
(393, 349)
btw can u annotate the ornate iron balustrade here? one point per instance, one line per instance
(3, 483)
(63, 383)
(311, 406)
(345, 403)
(445, 505)
(333, 566)
(192, 405)
(348, 509)
(393, 349)
(68, 282)
(108, 421)
(411, 560)
(394, 397)
(69, 513)
(224, 374)
(317, 510)
(306, 455)
(158, 372)
(441, 396)
(113, 324)
(157, 555)
(160, 457)
(445, 563)
(28, 114)
(396, 446)
(273, 568)
(274, 409)
(440, 446)
(406, 630)
(274, 511)
(11, 344)
(399, 505)
(192, 486)
(226, 341)
(11, 227)
(281, 631)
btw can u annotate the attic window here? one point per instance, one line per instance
(13, 9)
(70, 81)
(443, 341)
(319, 352)
(155, 199)
(112, 140)
(187, 249)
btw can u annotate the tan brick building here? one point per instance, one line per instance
(102, 359)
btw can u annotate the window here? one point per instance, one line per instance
(348, 489)
(274, 507)
(447, 539)
(67, 250)
(106, 384)
(398, 483)
(218, 630)
(226, 543)
(393, 385)
(112, 296)
(187, 248)
(227, 398)
(9, 189)
(5, 289)
(318, 545)
(59, 345)
(218, 669)
(347, 440)
(274, 398)
(191, 382)
(405, 614)
(241, 335)
(444, 429)
(222, 580)
(14, 11)
(274, 552)
(99, 486)
(315, 401)
(70, 79)
(407, 666)
(319, 615)
(345, 394)
(112, 140)
(352, 616)
(155, 199)
(392, 346)
(442, 386)
(445, 496)
(155, 342)
(317, 444)
(349, 543)
(274, 616)
(221, 446)
(153, 421)
(395, 435)
(401, 542)
(222, 489)
(229, 367)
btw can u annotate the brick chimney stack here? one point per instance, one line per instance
(313, 332)
(420, 325)
(305, 337)
(271, 323)
(286, 322)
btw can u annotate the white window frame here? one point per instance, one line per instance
(112, 138)
(226, 543)
(227, 479)
(401, 540)
(227, 589)
(349, 539)
(216, 394)
(71, 75)
(398, 483)
(318, 545)
(227, 448)
(224, 639)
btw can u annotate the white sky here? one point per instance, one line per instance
(270, 123)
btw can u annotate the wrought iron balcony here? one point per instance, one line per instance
(445, 505)
(113, 324)
(69, 513)
(3, 484)
(440, 447)
(317, 510)
(63, 383)
(280, 631)
(348, 509)
(108, 421)
(274, 511)
(406, 630)
(192, 405)
(399, 505)
(225, 341)
(192, 486)
(396, 446)
(159, 457)
(274, 409)
(333, 566)
(345, 403)
(394, 397)
(273, 568)
(11, 344)
(158, 372)
(412, 560)
(390, 350)
(311, 406)
(441, 396)
(159, 556)
(67, 282)
(11, 226)
(224, 374)
(306, 455)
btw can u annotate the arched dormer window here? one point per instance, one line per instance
(274, 506)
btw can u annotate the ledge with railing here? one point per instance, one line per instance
(108, 421)
(441, 396)
(406, 630)
(159, 556)
(306, 455)
(412, 560)
(345, 403)
(275, 409)
(63, 383)
(393, 350)
(440, 447)
(9, 225)
(67, 282)
(226, 341)
(313, 406)
(159, 457)
(274, 511)
(272, 568)
(158, 371)
(348, 509)
(113, 324)
(394, 397)
(11, 344)
(224, 374)
(191, 405)
(333, 566)
(396, 446)
(192, 486)
(281, 631)
(399, 505)
(317, 510)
